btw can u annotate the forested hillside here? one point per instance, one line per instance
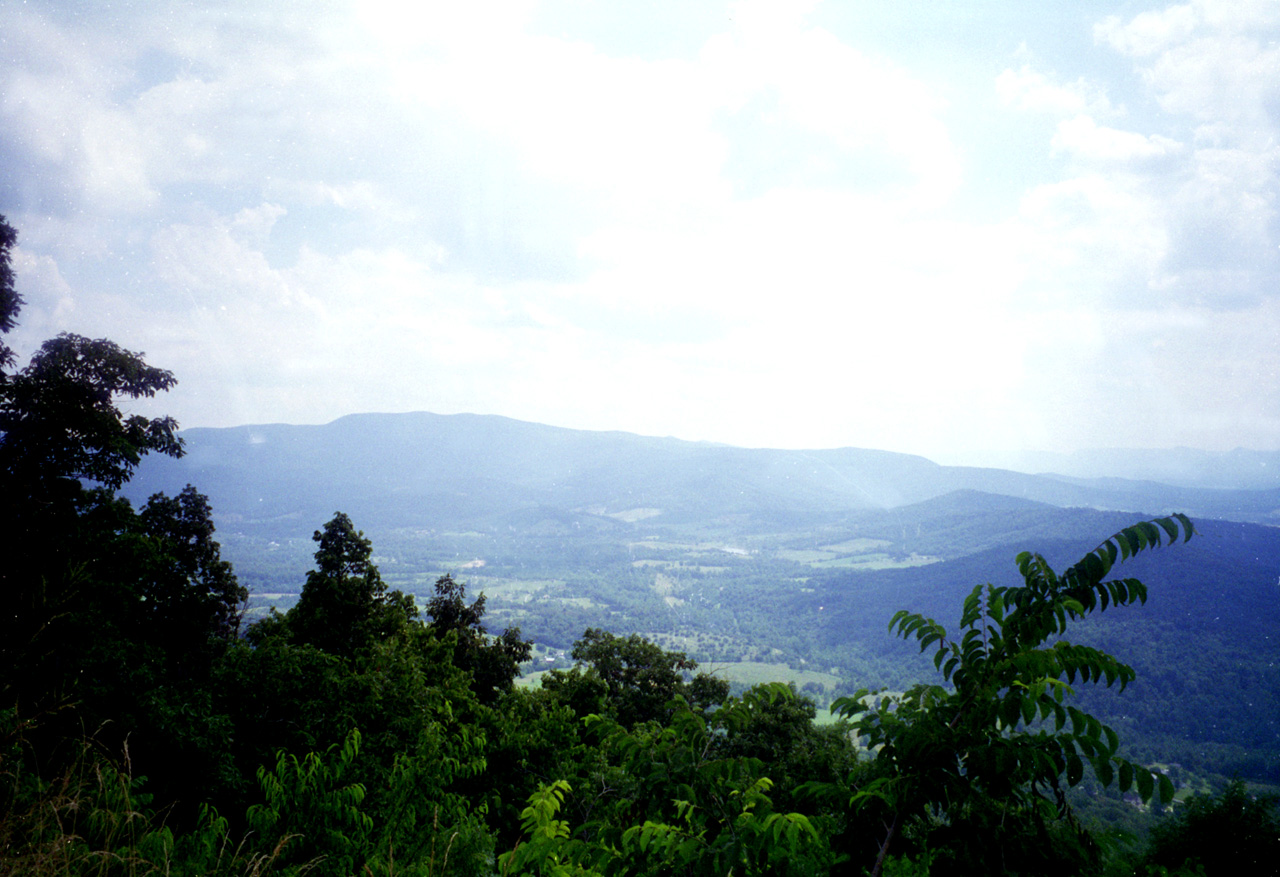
(468, 471)
(372, 724)
(764, 565)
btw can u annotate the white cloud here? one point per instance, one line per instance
(772, 238)
(1149, 32)
(1029, 89)
(1096, 240)
(1086, 139)
(824, 86)
(356, 195)
(49, 301)
(1206, 196)
(1214, 61)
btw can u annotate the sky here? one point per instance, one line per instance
(957, 230)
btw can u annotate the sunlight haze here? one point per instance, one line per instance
(943, 230)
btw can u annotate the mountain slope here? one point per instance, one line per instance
(430, 470)
(744, 555)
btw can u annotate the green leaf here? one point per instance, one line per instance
(1166, 784)
(1151, 532)
(1077, 720)
(1126, 776)
(1102, 768)
(1146, 783)
(1093, 567)
(1075, 769)
(1011, 710)
(1028, 710)
(1187, 527)
(1127, 549)
(950, 667)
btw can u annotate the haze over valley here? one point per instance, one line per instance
(761, 564)
(853, 446)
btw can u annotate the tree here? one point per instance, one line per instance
(981, 769)
(632, 678)
(59, 420)
(675, 804)
(117, 613)
(494, 662)
(10, 301)
(65, 447)
(344, 606)
(61, 430)
(1235, 834)
(771, 723)
(189, 582)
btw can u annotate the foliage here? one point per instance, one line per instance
(351, 735)
(548, 849)
(59, 420)
(532, 738)
(772, 724)
(114, 618)
(955, 763)
(190, 590)
(59, 423)
(91, 818)
(308, 807)
(631, 678)
(682, 810)
(344, 606)
(697, 810)
(10, 301)
(1236, 833)
(493, 663)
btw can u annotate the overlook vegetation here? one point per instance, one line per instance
(761, 593)
(146, 728)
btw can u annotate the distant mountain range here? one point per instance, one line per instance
(1238, 469)
(465, 470)
(743, 556)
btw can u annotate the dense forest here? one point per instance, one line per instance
(147, 728)
(794, 586)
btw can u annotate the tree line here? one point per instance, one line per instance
(145, 730)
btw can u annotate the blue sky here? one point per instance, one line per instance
(949, 229)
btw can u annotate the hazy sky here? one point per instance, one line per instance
(932, 227)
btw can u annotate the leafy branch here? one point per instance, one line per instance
(1003, 734)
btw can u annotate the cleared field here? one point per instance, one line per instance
(531, 680)
(806, 555)
(693, 549)
(493, 586)
(875, 561)
(857, 546)
(658, 545)
(679, 565)
(744, 672)
(630, 516)
(757, 672)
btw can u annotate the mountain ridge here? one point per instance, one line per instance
(468, 469)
